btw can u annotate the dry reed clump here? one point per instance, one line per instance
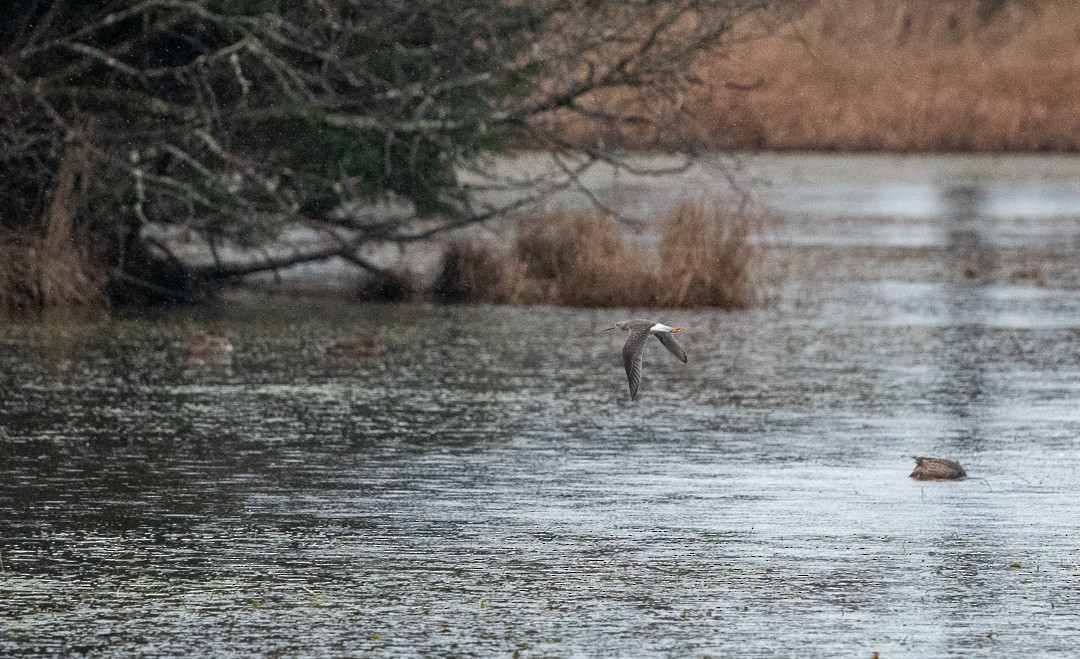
(709, 258)
(388, 286)
(473, 272)
(51, 269)
(17, 289)
(704, 258)
(583, 261)
(874, 75)
(47, 276)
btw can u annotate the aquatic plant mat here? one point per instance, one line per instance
(703, 256)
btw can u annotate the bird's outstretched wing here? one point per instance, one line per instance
(631, 356)
(668, 339)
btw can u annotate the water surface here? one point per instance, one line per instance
(487, 487)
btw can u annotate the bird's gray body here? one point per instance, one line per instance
(635, 346)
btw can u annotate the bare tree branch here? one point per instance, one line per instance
(234, 120)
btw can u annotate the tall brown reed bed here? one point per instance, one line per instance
(50, 275)
(704, 258)
(50, 268)
(876, 75)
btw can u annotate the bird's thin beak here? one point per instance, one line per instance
(676, 329)
(610, 328)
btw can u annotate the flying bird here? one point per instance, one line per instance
(635, 345)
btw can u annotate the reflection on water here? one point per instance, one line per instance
(964, 216)
(968, 223)
(482, 485)
(963, 357)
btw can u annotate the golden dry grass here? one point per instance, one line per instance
(704, 258)
(708, 258)
(52, 270)
(859, 75)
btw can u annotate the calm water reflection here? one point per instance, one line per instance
(488, 487)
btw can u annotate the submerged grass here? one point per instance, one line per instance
(704, 258)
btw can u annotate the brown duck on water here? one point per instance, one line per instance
(201, 345)
(359, 348)
(937, 469)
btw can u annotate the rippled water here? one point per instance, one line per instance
(487, 487)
